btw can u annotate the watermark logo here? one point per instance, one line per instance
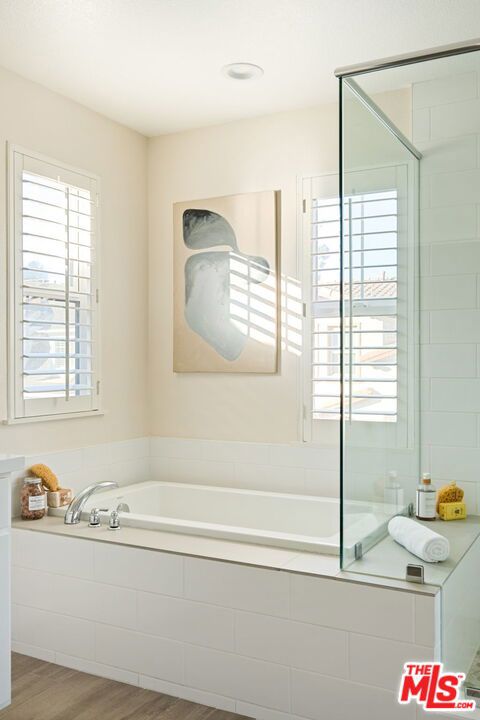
(429, 686)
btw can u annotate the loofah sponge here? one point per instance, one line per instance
(47, 476)
(449, 493)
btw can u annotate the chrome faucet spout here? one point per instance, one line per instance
(74, 510)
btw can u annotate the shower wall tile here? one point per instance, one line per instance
(459, 153)
(455, 188)
(458, 258)
(455, 326)
(459, 118)
(448, 360)
(445, 224)
(449, 292)
(445, 90)
(437, 428)
(454, 395)
(421, 125)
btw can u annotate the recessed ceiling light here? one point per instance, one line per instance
(242, 71)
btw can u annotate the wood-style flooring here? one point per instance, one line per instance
(43, 691)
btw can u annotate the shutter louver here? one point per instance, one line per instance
(55, 291)
(370, 300)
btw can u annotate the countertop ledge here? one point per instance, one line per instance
(11, 463)
(292, 561)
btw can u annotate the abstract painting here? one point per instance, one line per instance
(226, 291)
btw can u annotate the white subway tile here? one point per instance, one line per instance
(306, 456)
(74, 597)
(352, 606)
(448, 292)
(52, 553)
(33, 651)
(130, 449)
(455, 326)
(60, 462)
(296, 644)
(139, 569)
(95, 455)
(448, 360)
(455, 258)
(427, 619)
(192, 622)
(270, 478)
(455, 463)
(421, 125)
(323, 483)
(446, 224)
(459, 153)
(143, 654)
(237, 586)
(443, 90)
(213, 450)
(379, 662)
(455, 188)
(322, 698)
(261, 713)
(460, 118)
(443, 428)
(126, 472)
(205, 472)
(185, 693)
(455, 394)
(238, 677)
(52, 631)
(94, 668)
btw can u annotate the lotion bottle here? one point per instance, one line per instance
(426, 499)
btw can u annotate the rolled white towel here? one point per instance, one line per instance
(418, 539)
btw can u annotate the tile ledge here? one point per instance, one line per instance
(268, 558)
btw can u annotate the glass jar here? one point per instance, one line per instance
(33, 499)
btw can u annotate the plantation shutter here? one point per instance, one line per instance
(55, 304)
(370, 297)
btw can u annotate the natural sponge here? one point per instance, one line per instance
(47, 476)
(449, 493)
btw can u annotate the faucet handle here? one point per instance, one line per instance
(94, 519)
(114, 522)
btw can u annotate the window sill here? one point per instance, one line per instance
(49, 418)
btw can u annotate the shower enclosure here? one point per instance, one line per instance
(410, 319)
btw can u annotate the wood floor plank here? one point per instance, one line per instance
(45, 691)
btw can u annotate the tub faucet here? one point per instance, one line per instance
(74, 510)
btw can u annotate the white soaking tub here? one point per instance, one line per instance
(303, 522)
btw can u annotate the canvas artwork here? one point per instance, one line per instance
(226, 285)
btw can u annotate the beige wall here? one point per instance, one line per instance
(267, 153)
(50, 124)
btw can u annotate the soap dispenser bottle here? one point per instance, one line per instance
(426, 499)
(393, 492)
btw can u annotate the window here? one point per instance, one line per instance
(370, 295)
(380, 300)
(53, 309)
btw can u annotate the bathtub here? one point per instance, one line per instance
(302, 522)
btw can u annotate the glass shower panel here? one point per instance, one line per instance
(380, 453)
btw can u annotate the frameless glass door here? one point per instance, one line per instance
(380, 455)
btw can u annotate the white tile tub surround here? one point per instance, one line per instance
(446, 123)
(271, 644)
(294, 468)
(126, 461)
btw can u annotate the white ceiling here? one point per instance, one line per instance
(155, 65)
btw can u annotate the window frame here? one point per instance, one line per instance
(49, 408)
(400, 433)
